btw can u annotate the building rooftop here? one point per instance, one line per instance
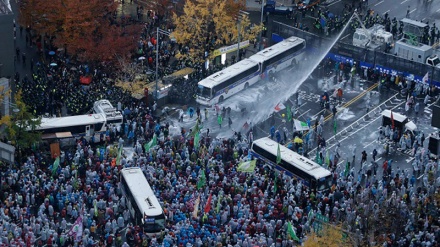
(5, 7)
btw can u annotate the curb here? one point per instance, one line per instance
(252, 8)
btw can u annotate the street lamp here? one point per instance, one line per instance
(159, 31)
(240, 17)
(260, 36)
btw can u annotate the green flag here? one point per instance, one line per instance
(196, 129)
(202, 180)
(317, 158)
(151, 144)
(347, 169)
(95, 205)
(118, 159)
(335, 126)
(289, 114)
(197, 141)
(327, 158)
(247, 166)
(278, 154)
(75, 181)
(275, 182)
(217, 208)
(291, 232)
(55, 166)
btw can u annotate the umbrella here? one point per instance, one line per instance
(53, 64)
(141, 58)
(297, 140)
(51, 53)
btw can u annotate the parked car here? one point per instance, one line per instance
(272, 8)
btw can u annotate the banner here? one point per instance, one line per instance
(231, 48)
(300, 126)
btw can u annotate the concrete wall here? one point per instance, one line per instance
(7, 50)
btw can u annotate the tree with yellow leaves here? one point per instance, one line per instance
(210, 24)
(329, 236)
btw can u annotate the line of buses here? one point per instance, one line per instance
(231, 80)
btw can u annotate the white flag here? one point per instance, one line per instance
(426, 78)
(280, 106)
(77, 229)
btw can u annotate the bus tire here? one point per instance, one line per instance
(246, 85)
(293, 63)
(220, 100)
(271, 75)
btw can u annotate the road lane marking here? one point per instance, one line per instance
(404, 2)
(438, 10)
(413, 10)
(345, 36)
(378, 3)
(386, 12)
(333, 3)
(362, 127)
(347, 104)
(303, 113)
(370, 143)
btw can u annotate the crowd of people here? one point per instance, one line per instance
(41, 200)
(43, 196)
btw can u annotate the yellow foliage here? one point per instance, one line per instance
(206, 20)
(329, 236)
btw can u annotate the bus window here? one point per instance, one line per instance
(205, 92)
(154, 223)
(324, 183)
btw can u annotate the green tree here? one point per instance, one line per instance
(18, 124)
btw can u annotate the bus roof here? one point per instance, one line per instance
(233, 70)
(290, 156)
(141, 190)
(48, 123)
(276, 49)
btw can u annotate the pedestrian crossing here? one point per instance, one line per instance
(428, 111)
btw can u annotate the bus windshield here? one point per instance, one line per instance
(324, 183)
(205, 92)
(154, 224)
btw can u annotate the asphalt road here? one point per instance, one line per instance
(421, 10)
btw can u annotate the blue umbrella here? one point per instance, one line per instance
(51, 53)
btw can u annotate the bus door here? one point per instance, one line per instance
(313, 183)
(88, 130)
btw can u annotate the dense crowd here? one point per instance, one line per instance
(41, 200)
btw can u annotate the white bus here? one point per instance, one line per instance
(80, 125)
(143, 205)
(239, 76)
(231, 80)
(313, 175)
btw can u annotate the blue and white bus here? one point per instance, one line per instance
(231, 80)
(310, 173)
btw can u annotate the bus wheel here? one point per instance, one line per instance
(246, 85)
(271, 76)
(293, 63)
(220, 100)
